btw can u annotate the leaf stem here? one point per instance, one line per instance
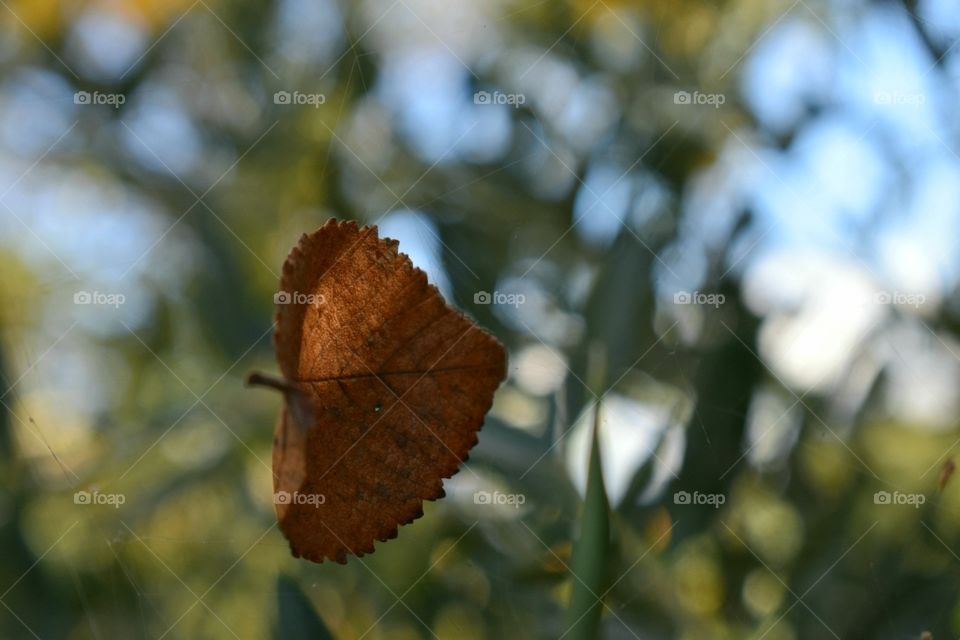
(257, 379)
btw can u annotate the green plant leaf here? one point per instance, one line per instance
(589, 561)
(296, 617)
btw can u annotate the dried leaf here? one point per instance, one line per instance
(385, 385)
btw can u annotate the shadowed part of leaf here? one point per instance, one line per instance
(296, 617)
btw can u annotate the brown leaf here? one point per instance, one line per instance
(385, 385)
